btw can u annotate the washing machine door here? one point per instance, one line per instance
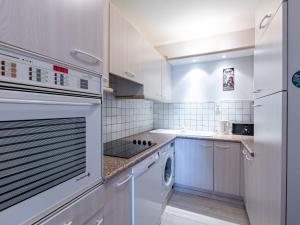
(168, 171)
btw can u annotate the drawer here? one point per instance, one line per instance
(97, 219)
(85, 211)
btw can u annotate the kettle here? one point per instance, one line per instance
(225, 127)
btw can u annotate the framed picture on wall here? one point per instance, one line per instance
(228, 79)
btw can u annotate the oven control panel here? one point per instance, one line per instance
(30, 71)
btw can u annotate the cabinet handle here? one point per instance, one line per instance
(99, 222)
(206, 146)
(248, 158)
(257, 91)
(76, 52)
(257, 106)
(264, 21)
(124, 181)
(223, 147)
(68, 223)
(129, 74)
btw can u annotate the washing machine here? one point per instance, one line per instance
(167, 159)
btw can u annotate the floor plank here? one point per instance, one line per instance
(187, 209)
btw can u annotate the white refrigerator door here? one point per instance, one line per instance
(269, 160)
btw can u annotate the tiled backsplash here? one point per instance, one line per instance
(124, 117)
(201, 116)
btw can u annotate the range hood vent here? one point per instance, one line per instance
(124, 88)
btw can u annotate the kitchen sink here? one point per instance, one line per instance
(183, 132)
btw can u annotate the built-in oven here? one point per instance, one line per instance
(50, 135)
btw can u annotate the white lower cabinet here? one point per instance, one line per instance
(213, 166)
(227, 168)
(194, 164)
(87, 210)
(118, 200)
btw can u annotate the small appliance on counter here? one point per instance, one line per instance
(225, 127)
(243, 129)
(126, 149)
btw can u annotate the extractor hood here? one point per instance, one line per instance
(124, 88)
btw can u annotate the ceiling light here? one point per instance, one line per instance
(224, 56)
(195, 60)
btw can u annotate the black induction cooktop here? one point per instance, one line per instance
(126, 149)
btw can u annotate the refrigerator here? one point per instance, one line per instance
(268, 200)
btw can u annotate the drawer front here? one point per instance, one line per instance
(86, 210)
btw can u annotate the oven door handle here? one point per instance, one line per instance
(43, 102)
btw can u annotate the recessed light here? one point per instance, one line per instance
(224, 56)
(195, 60)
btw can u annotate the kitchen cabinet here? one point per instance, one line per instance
(269, 57)
(250, 186)
(227, 168)
(118, 200)
(166, 81)
(126, 47)
(152, 73)
(194, 164)
(87, 210)
(68, 31)
(264, 13)
(269, 160)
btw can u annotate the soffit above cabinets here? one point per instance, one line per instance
(212, 57)
(171, 21)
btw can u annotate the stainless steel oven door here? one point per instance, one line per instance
(50, 152)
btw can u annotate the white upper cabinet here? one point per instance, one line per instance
(264, 13)
(152, 73)
(270, 57)
(68, 31)
(166, 81)
(126, 46)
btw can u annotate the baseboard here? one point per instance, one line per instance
(212, 195)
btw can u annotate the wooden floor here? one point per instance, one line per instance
(187, 209)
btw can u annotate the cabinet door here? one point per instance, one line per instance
(118, 200)
(264, 12)
(194, 164)
(250, 187)
(152, 72)
(56, 28)
(269, 60)
(166, 81)
(118, 42)
(227, 168)
(126, 47)
(270, 151)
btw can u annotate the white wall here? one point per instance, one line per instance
(201, 82)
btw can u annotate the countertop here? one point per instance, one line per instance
(114, 166)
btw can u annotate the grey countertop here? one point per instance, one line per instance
(114, 166)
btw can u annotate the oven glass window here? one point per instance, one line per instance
(36, 155)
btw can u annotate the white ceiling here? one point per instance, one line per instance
(169, 21)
